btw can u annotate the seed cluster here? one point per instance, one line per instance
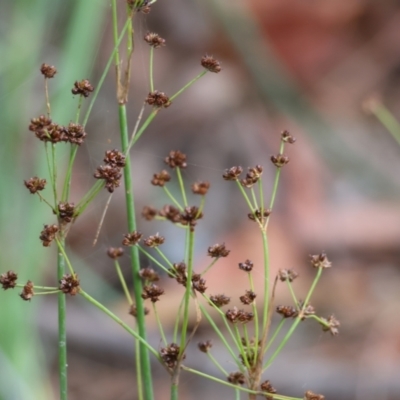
(8, 280)
(154, 40)
(170, 355)
(111, 172)
(48, 234)
(27, 291)
(158, 99)
(35, 184)
(69, 284)
(83, 88)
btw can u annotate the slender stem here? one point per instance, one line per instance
(182, 186)
(292, 292)
(177, 320)
(188, 291)
(253, 195)
(216, 363)
(151, 68)
(139, 133)
(138, 372)
(255, 312)
(120, 322)
(62, 332)
(266, 277)
(88, 197)
(155, 261)
(137, 283)
(123, 282)
(50, 292)
(246, 197)
(145, 365)
(61, 244)
(208, 268)
(187, 85)
(160, 327)
(170, 195)
(46, 90)
(277, 330)
(174, 391)
(221, 335)
(297, 320)
(387, 119)
(67, 181)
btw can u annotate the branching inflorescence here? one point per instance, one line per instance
(252, 354)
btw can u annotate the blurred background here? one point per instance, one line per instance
(305, 66)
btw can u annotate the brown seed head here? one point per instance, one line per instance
(66, 211)
(115, 252)
(220, 300)
(199, 283)
(176, 159)
(35, 184)
(27, 291)
(115, 158)
(83, 88)
(200, 188)
(45, 130)
(69, 284)
(149, 274)
(205, 346)
(152, 292)
(161, 178)
(154, 240)
(234, 315)
(171, 213)
(190, 216)
(170, 355)
(154, 40)
(8, 280)
(279, 160)
(218, 250)
(320, 261)
(48, 234)
(148, 213)
(248, 297)
(306, 310)
(178, 272)
(287, 275)
(287, 311)
(266, 212)
(48, 71)
(75, 133)
(211, 64)
(246, 266)
(287, 137)
(158, 99)
(237, 378)
(111, 175)
(133, 310)
(309, 395)
(233, 173)
(252, 176)
(131, 239)
(267, 387)
(331, 324)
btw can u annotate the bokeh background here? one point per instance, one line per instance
(305, 66)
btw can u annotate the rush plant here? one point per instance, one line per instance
(243, 325)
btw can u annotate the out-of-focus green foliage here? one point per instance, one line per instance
(65, 34)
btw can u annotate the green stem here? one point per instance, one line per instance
(139, 133)
(160, 327)
(181, 186)
(387, 119)
(188, 84)
(89, 196)
(137, 283)
(151, 68)
(155, 261)
(266, 278)
(292, 292)
(174, 391)
(255, 312)
(62, 332)
(170, 195)
(123, 282)
(120, 322)
(61, 244)
(216, 363)
(188, 292)
(277, 330)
